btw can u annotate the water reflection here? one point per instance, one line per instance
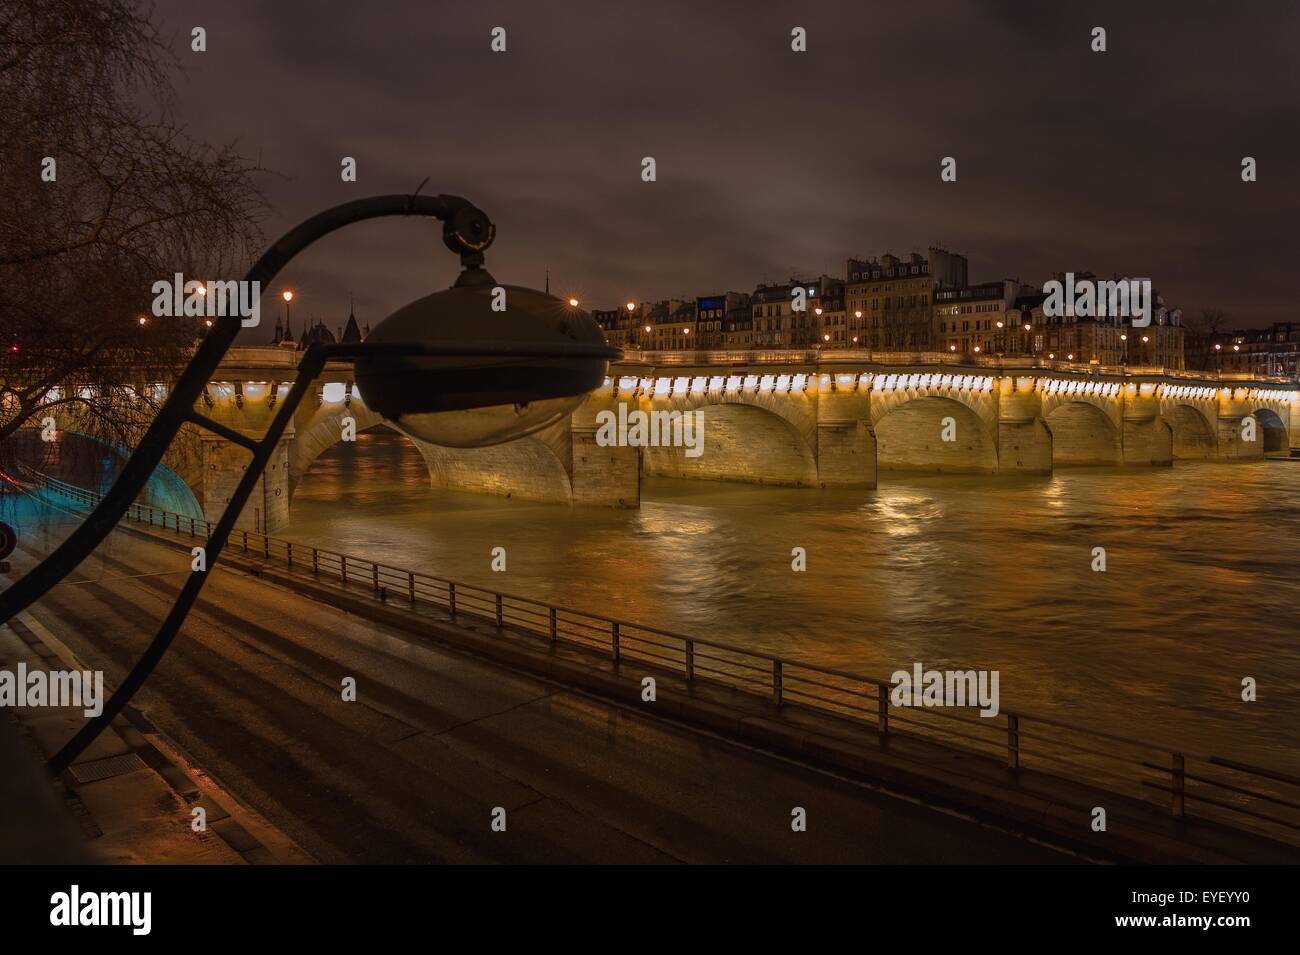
(1202, 585)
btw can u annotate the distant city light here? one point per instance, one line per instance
(857, 314)
(631, 306)
(142, 320)
(647, 328)
(287, 295)
(1028, 327)
(1145, 338)
(826, 338)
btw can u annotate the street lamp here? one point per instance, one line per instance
(548, 363)
(287, 295)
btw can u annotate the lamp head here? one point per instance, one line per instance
(467, 401)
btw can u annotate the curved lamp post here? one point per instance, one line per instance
(448, 367)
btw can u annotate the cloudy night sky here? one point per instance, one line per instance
(769, 162)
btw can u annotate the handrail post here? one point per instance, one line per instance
(315, 562)
(1179, 787)
(1013, 741)
(192, 527)
(777, 687)
(690, 660)
(882, 709)
(245, 540)
(451, 597)
(288, 551)
(343, 568)
(410, 586)
(266, 547)
(498, 611)
(614, 640)
(374, 576)
(553, 634)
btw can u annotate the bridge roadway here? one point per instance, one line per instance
(411, 771)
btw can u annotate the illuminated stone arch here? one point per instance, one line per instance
(1083, 433)
(1194, 428)
(324, 430)
(532, 467)
(976, 393)
(756, 428)
(910, 436)
(1273, 430)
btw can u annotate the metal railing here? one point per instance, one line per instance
(1228, 791)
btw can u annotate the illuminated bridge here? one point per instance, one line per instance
(833, 419)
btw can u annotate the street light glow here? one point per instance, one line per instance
(573, 302)
(631, 306)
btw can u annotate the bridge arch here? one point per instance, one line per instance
(1083, 434)
(1194, 431)
(912, 435)
(322, 432)
(532, 468)
(1273, 430)
(529, 468)
(743, 440)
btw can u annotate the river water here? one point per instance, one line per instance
(1201, 587)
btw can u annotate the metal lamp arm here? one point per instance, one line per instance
(466, 231)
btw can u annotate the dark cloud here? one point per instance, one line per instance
(768, 161)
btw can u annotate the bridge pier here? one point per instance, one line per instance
(1147, 441)
(1024, 441)
(846, 454)
(224, 465)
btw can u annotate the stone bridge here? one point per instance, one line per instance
(799, 419)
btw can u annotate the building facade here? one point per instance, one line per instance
(890, 302)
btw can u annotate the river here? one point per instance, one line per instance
(1201, 587)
